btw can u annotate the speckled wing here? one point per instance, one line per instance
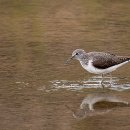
(105, 60)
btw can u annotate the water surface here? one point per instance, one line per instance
(36, 37)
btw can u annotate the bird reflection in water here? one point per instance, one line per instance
(87, 106)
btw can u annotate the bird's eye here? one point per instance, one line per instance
(76, 53)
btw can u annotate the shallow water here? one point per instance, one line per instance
(36, 38)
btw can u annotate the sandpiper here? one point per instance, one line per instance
(99, 62)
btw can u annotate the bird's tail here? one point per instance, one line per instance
(129, 59)
(125, 59)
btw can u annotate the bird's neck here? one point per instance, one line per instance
(84, 59)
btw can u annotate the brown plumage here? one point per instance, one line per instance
(102, 60)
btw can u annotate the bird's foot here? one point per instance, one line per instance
(109, 85)
(103, 85)
(106, 85)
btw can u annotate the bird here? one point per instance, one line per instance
(99, 62)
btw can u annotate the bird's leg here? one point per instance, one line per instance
(102, 81)
(110, 82)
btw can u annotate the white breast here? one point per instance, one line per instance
(90, 68)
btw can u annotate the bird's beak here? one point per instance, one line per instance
(69, 59)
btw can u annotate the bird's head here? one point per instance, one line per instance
(77, 54)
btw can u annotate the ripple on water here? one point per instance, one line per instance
(118, 84)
